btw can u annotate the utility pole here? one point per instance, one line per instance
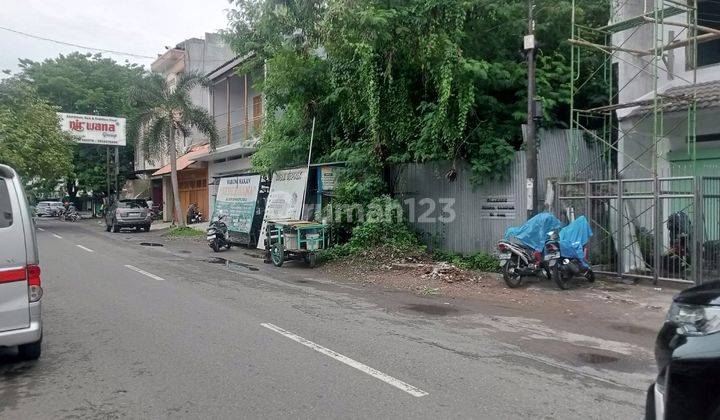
(531, 142)
(117, 170)
(107, 167)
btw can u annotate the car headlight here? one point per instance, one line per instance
(695, 320)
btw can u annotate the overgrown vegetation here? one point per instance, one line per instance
(398, 81)
(379, 229)
(403, 80)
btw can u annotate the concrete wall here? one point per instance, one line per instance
(635, 75)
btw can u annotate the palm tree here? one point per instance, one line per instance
(166, 111)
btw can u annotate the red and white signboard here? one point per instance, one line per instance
(94, 129)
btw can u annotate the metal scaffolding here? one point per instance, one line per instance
(642, 42)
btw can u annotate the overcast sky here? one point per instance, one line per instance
(142, 27)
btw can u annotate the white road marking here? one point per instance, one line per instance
(41, 229)
(57, 236)
(145, 273)
(86, 249)
(416, 392)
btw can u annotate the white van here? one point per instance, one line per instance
(20, 288)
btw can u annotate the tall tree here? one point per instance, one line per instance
(165, 113)
(88, 84)
(30, 138)
(392, 81)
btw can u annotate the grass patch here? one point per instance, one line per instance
(185, 232)
(478, 261)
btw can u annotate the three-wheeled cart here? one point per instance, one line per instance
(293, 240)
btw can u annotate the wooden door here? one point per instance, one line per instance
(193, 189)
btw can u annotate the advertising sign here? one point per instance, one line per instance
(237, 197)
(286, 198)
(94, 129)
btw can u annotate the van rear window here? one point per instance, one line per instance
(6, 215)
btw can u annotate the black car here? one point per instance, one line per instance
(687, 352)
(128, 214)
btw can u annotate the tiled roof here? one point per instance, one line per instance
(679, 99)
(708, 96)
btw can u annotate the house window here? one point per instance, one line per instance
(708, 15)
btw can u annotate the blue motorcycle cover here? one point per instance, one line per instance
(534, 232)
(573, 239)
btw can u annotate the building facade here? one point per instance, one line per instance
(664, 134)
(191, 55)
(238, 109)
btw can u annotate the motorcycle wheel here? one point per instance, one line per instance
(512, 278)
(215, 246)
(590, 275)
(561, 280)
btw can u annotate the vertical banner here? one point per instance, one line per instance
(237, 198)
(286, 198)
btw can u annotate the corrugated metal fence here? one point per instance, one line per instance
(466, 218)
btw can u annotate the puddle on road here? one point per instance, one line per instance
(633, 329)
(440, 310)
(596, 358)
(232, 265)
(150, 244)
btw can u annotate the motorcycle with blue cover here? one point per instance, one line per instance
(521, 250)
(566, 253)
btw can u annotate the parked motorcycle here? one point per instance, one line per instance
(69, 214)
(194, 215)
(677, 260)
(217, 234)
(566, 253)
(520, 252)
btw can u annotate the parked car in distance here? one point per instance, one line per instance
(687, 352)
(20, 286)
(49, 208)
(129, 213)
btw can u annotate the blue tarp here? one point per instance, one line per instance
(534, 232)
(573, 238)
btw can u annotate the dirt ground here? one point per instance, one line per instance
(611, 309)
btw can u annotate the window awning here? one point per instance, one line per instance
(185, 160)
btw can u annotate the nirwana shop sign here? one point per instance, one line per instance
(94, 129)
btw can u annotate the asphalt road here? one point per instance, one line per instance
(151, 332)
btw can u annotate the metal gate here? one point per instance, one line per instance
(656, 228)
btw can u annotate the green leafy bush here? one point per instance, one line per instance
(383, 226)
(479, 261)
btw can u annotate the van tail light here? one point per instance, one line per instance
(538, 256)
(12, 274)
(502, 247)
(35, 290)
(587, 254)
(552, 247)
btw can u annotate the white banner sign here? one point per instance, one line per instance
(94, 129)
(286, 198)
